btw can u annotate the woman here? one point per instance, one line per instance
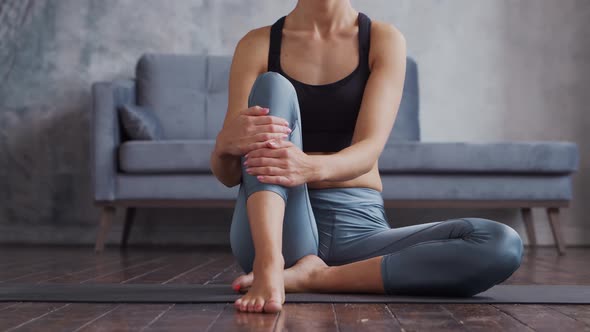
(312, 101)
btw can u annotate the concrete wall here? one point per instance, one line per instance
(490, 70)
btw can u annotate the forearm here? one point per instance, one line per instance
(226, 167)
(347, 164)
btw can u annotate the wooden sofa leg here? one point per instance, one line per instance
(553, 214)
(129, 218)
(527, 217)
(106, 220)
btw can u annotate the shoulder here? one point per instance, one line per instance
(387, 41)
(385, 32)
(252, 48)
(255, 38)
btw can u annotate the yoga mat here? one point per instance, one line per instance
(190, 293)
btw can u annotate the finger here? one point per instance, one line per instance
(279, 143)
(258, 152)
(265, 170)
(270, 119)
(264, 161)
(261, 137)
(264, 151)
(272, 128)
(275, 179)
(250, 148)
(272, 148)
(255, 110)
(267, 152)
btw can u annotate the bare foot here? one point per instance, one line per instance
(267, 290)
(298, 278)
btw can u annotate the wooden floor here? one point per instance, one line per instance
(214, 266)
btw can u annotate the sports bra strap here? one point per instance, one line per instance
(364, 38)
(274, 52)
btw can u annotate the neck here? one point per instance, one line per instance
(322, 15)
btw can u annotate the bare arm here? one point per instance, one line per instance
(381, 100)
(225, 165)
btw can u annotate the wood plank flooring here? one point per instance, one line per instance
(203, 265)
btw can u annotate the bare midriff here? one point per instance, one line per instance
(371, 179)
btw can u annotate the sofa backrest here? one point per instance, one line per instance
(188, 94)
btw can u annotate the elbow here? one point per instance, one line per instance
(228, 181)
(224, 173)
(369, 162)
(367, 167)
(233, 183)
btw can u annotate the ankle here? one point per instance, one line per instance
(272, 261)
(318, 278)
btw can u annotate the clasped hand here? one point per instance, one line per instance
(282, 162)
(260, 137)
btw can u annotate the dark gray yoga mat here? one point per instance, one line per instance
(188, 293)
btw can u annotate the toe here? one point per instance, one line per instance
(259, 305)
(244, 305)
(237, 283)
(272, 306)
(243, 280)
(238, 303)
(251, 305)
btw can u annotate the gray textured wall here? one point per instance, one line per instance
(490, 70)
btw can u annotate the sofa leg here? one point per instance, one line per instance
(106, 220)
(553, 214)
(129, 218)
(527, 217)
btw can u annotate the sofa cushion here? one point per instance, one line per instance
(166, 156)
(555, 157)
(473, 187)
(193, 156)
(140, 123)
(189, 92)
(174, 86)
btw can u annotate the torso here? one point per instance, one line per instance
(321, 65)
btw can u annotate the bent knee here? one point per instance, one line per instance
(273, 90)
(275, 82)
(503, 244)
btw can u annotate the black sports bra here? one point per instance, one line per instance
(328, 111)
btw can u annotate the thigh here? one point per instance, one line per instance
(300, 235)
(475, 234)
(388, 240)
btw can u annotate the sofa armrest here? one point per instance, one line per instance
(105, 135)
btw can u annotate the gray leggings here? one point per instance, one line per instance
(455, 257)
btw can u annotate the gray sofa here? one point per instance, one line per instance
(188, 93)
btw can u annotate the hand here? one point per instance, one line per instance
(281, 162)
(251, 129)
